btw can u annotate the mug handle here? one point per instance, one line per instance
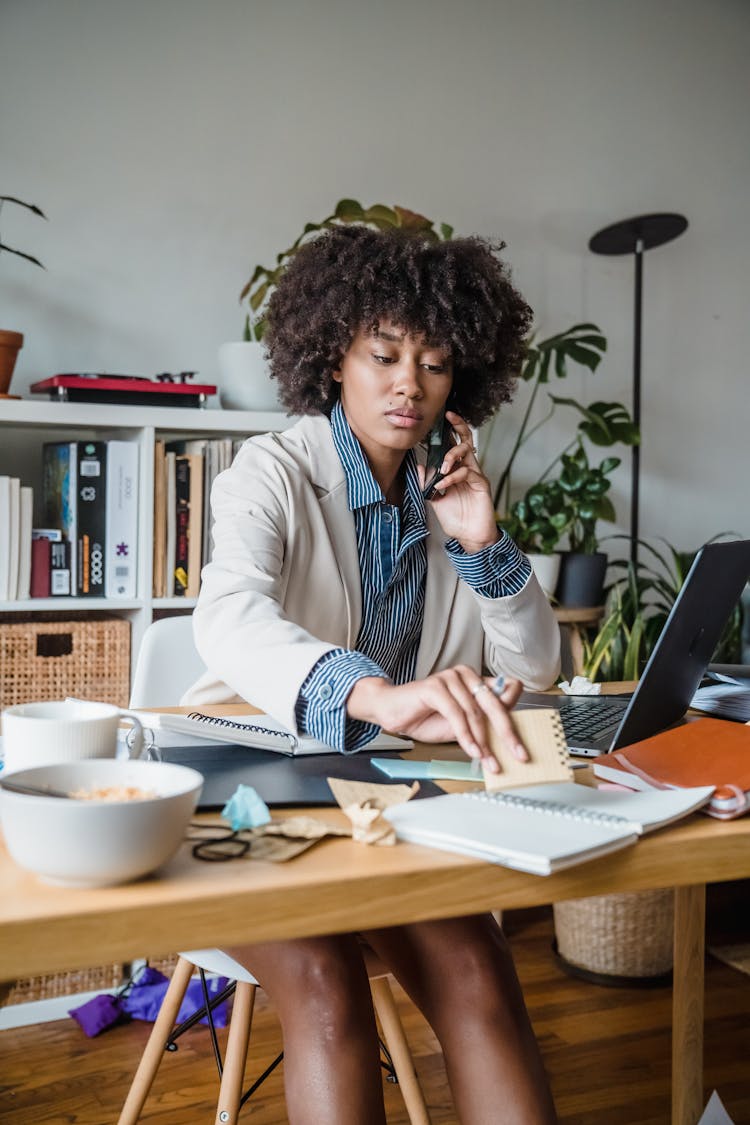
(134, 740)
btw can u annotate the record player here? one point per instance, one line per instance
(129, 390)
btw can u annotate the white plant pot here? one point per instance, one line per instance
(245, 382)
(546, 568)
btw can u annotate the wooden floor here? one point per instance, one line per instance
(607, 1052)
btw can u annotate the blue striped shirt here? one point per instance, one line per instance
(391, 545)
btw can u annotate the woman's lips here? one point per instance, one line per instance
(405, 419)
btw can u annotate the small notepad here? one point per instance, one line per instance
(541, 732)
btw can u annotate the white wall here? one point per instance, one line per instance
(174, 144)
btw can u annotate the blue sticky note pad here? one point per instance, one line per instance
(397, 767)
(430, 771)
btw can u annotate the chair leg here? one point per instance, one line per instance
(234, 1061)
(154, 1050)
(398, 1048)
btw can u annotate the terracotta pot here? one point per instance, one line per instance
(10, 345)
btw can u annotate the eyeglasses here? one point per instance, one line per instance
(214, 843)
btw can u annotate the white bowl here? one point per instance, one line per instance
(96, 843)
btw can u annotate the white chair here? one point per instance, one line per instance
(167, 665)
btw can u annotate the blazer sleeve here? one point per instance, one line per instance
(243, 634)
(521, 636)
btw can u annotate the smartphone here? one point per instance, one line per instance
(440, 440)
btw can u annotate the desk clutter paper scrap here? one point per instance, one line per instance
(363, 803)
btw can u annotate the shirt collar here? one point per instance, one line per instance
(362, 488)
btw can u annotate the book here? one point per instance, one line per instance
(540, 828)
(59, 494)
(14, 530)
(91, 534)
(261, 731)
(701, 752)
(121, 520)
(26, 516)
(170, 508)
(5, 519)
(40, 567)
(61, 568)
(179, 576)
(160, 520)
(195, 524)
(541, 732)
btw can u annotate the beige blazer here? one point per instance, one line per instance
(283, 586)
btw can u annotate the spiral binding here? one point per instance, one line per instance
(570, 812)
(216, 720)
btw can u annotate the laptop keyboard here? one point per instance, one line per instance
(586, 721)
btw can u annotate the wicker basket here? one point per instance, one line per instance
(49, 657)
(101, 978)
(625, 936)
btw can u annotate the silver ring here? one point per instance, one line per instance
(479, 687)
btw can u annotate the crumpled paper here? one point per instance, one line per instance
(580, 685)
(245, 809)
(280, 840)
(363, 803)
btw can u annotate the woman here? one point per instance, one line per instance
(340, 602)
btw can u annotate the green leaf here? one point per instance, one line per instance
(349, 211)
(446, 232)
(380, 214)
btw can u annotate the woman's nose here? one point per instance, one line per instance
(406, 379)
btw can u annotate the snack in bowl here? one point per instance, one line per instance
(102, 835)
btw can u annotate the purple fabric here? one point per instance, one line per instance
(142, 1001)
(98, 1014)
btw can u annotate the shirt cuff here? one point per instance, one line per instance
(497, 571)
(321, 704)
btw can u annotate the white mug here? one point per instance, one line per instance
(41, 734)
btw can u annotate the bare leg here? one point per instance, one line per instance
(460, 973)
(320, 989)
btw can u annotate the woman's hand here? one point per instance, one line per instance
(463, 498)
(453, 705)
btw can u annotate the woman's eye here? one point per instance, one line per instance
(384, 359)
(435, 368)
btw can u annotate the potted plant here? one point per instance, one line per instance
(244, 376)
(535, 523)
(12, 342)
(637, 605)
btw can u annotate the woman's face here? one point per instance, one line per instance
(393, 387)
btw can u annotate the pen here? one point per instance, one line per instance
(497, 689)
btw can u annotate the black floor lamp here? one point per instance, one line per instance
(633, 236)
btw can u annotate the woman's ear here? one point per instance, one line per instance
(336, 375)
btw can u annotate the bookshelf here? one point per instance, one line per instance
(25, 425)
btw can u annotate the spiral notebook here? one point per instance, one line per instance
(541, 828)
(541, 732)
(262, 732)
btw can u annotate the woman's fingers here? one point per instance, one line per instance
(496, 707)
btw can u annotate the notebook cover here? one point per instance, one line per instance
(541, 732)
(704, 752)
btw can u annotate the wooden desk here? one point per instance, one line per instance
(339, 886)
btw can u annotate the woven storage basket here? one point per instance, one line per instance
(625, 935)
(101, 978)
(46, 657)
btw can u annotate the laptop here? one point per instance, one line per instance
(597, 725)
